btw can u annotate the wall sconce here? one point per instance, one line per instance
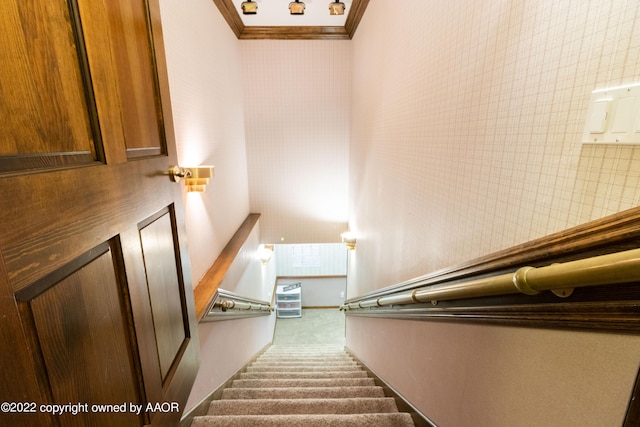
(336, 8)
(195, 178)
(249, 7)
(349, 240)
(265, 253)
(296, 8)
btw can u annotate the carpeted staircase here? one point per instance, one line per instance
(304, 386)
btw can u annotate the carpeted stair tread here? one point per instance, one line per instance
(294, 365)
(321, 360)
(356, 405)
(297, 382)
(307, 420)
(304, 362)
(302, 393)
(309, 368)
(302, 375)
(309, 386)
(339, 355)
(305, 350)
(318, 355)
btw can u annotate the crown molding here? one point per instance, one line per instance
(244, 32)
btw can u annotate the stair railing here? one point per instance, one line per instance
(205, 292)
(229, 305)
(560, 278)
(583, 278)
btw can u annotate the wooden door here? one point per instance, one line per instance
(97, 321)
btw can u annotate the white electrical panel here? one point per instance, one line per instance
(614, 116)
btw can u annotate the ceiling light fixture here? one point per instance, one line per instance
(249, 7)
(296, 8)
(336, 8)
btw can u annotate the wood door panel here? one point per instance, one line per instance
(45, 102)
(166, 289)
(96, 300)
(82, 206)
(83, 328)
(132, 51)
(17, 363)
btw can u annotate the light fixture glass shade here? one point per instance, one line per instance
(336, 8)
(349, 239)
(265, 252)
(249, 7)
(296, 8)
(198, 178)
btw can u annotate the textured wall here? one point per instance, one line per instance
(466, 139)
(466, 128)
(300, 260)
(203, 59)
(297, 104)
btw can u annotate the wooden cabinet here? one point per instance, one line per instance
(289, 301)
(96, 301)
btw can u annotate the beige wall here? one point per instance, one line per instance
(319, 291)
(204, 63)
(223, 354)
(466, 139)
(297, 108)
(463, 375)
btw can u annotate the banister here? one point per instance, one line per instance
(229, 305)
(615, 268)
(205, 291)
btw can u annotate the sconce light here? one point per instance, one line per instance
(265, 253)
(296, 8)
(336, 8)
(195, 178)
(249, 7)
(349, 240)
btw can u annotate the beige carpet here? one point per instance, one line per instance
(316, 326)
(304, 385)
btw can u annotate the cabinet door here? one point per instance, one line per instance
(96, 301)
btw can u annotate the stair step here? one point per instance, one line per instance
(320, 359)
(302, 375)
(261, 364)
(304, 386)
(297, 382)
(313, 368)
(307, 420)
(336, 352)
(302, 393)
(357, 405)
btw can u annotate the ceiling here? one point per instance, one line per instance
(273, 20)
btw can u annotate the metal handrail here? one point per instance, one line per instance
(231, 304)
(228, 305)
(561, 279)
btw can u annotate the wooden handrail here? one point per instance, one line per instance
(615, 268)
(205, 291)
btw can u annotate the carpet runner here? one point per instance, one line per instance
(304, 386)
